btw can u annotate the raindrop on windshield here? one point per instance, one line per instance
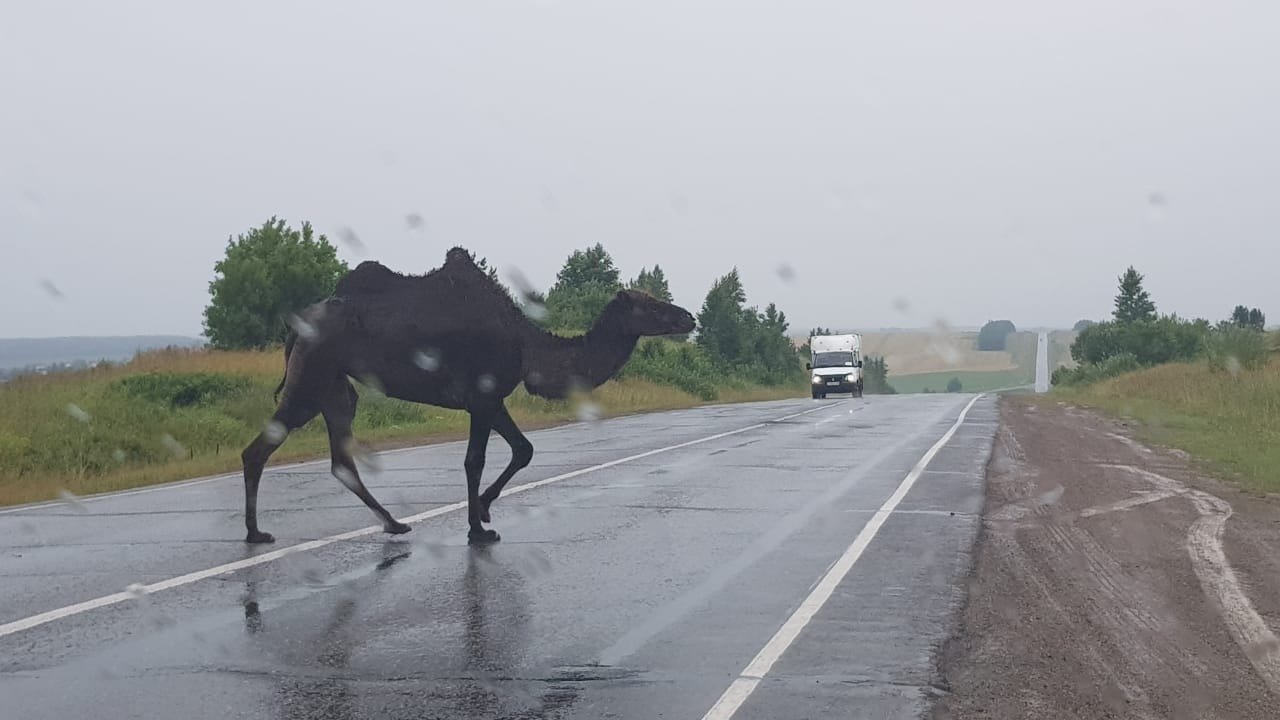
(52, 289)
(118, 455)
(305, 329)
(587, 411)
(902, 305)
(137, 591)
(78, 413)
(786, 272)
(349, 238)
(428, 359)
(415, 221)
(275, 432)
(70, 499)
(486, 383)
(346, 477)
(172, 445)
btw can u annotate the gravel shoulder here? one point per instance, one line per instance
(1111, 580)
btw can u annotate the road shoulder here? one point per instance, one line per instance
(1112, 580)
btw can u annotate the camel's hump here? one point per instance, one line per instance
(369, 275)
(458, 254)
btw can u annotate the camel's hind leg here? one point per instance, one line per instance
(521, 456)
(339, 409)
(288, 417)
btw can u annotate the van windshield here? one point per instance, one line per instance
(833, 359)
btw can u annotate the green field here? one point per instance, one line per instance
(971, 381)
(1230, 422)
(176, 414)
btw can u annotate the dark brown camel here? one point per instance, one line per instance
(450, 338)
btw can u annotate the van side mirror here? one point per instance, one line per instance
(859, 363)
(808, 366)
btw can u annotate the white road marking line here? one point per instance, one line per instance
(755, 671)
(62, 612)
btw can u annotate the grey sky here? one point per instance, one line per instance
(979, 159)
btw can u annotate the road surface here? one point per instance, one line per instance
(797, 559)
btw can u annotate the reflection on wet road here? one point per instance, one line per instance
(637, 590)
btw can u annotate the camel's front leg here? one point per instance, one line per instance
(521, 456)
(481, 426)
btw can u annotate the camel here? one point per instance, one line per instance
(451, 338)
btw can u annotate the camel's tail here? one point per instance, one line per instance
(288, 348)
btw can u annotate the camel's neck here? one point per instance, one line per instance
(556, 366)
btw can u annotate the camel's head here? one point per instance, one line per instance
(639, 313)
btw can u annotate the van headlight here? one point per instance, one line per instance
(849, 378)
(817, 379)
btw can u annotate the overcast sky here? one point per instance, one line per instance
(976, 160)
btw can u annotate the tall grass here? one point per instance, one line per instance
(1229, 419)
(181, 413)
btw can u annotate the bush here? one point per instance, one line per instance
(685, 366)
(1093, 372)
(1151, 342)
(954, 385)
(1233, 348)
(183, 389)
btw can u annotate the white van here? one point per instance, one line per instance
(836, 364)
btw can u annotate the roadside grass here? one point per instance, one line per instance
(177, 414)
(1228, 421)
(970, 381)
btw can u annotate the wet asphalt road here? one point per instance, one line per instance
(637, 590)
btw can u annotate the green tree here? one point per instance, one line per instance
(1249, 319)
(875, 377)
(721, 329)
(954, 385)
(586, 283)
(995, 334)
(1082, 324)
(1133, 303)
(268, 273)
(653, 282)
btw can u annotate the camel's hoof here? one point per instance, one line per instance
(484, 512)
(482, 537)
(258, 537)
(395, 527)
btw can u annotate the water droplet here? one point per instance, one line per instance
(118, 455)
(534, 310)
(902, 305)
(587, 411)
(70, 499)
(347, 477)
(305, 329)
(373, 383)
(428, 359)
(1157, 206)
(275, 432)
(1233, 365)
(786, 272)
(172, 445)
(137, 591)
(535, 377)
(52, 290)
(349, 238)
(415, 221)
(78, 413)
(549, 201)
(486, 383)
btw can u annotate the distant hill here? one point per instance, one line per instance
(26, 352)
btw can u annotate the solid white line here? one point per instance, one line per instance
(51, 615)
(755, 671)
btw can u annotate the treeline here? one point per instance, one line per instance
(1137, 337)
(273, 271)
